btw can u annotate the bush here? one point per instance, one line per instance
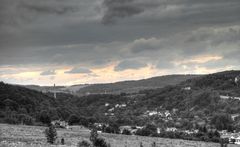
(25, 119)
(11, 120)
(97, 142)
(100, 142)
(73, 119)
(51, 134)
(93, 135)
(112, 128)
(84, 143)
(143, 132)
(126, 132)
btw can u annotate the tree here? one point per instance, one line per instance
(222, 121)
(93, 135)
(126, 132)
(25, 119)
(51, 134)
(97, 142)
(100, 142)
(154, 144)
(44, 117)
(73, 119)
(11, 104)
(84, 143)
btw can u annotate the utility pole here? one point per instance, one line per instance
(54, 91)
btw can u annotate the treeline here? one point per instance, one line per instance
(202, 135)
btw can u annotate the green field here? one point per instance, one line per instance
(26, 136)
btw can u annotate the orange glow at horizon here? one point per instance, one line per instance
(104, 74)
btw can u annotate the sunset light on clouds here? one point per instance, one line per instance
(77, 42)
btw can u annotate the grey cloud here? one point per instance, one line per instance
(151, 44)
(215, 36)
(47, 7)
(129, 64)
(119, 9)
(48, 73)
(22, 12)
(165, 64)
(162, 29)
(79, 70)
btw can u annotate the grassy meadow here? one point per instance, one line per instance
(33, 136)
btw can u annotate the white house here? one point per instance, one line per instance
(171, 129)
(187, 88)
(236, 80)
(237, 140)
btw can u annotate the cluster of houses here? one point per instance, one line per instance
(169, 129)
(133, 129)
(229, 97)
(60, 124)
(163, 114)
(111, 110)
(187, 88)
(233, 138)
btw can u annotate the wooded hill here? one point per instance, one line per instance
(190, 103)
(135, 86)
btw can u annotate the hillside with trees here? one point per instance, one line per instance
(188, 105)
(135, 86)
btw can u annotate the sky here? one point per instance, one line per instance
(71, 42)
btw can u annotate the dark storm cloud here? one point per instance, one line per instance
(79, 70)
(119, 9)
(45, 8)
(71, 32)
(19, 12)
(129, 64)
(141, 45)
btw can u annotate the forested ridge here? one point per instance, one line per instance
(191, 103)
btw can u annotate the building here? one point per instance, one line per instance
(60, 124)
(187, 88)
(125, 128)
(171, 129)
(236, 80)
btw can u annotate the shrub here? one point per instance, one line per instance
(84, 143)
(100, 142)
(73, 119)
(143, 132)
(97, 142)
(51, 134)
(126, 132)
(25, 119)
(154, 144)
(11, 120)
(93, 135)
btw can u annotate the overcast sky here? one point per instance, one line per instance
(99, 41)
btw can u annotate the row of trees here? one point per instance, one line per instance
(204, 134)
(96, 141)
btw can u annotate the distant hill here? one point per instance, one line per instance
(60, 89)
(116, 88)
(135, 86)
